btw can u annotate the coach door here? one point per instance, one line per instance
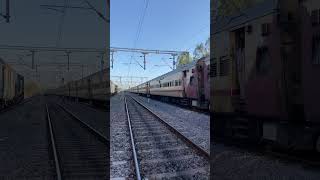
(201, 96)
(148, 88)
(89, 88)
(1, 81)
(240, 58)
(184, 76)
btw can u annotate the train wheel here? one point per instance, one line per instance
(317, 144)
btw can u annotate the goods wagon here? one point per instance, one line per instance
(187, 85)
(265, 74)
(95, 88)
(11, 86)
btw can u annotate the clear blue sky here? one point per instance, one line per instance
(168, 25)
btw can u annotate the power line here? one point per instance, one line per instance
(149, 51)
(138, 33)
(52, 49)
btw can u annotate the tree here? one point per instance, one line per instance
(184, 59)
(207, 46)
(201, 50)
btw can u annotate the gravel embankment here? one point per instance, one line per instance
(24, 148)
(122, 165)
(233, 163)
(94, 117)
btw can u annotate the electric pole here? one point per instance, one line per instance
(173, 61)
(32, 54)
(144, 60)
(68, 55)
(7, 15)
(112, 51)
(8, 11)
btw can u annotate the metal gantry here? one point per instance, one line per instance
(144, 52)
(68, 51)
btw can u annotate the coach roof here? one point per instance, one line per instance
(261, 9)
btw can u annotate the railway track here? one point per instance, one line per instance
(191, 108)
(15, 105)
(160, 151)
(79, 151)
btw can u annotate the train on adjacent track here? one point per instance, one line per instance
(95, 88)
(11, 86)
(265, 75)
(188, 85)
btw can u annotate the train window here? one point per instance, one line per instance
(316, 50)
(191, 80)
(192, 70)
(315, 17)
(265, 29)
(184, 73)
(263, 63)
(224, 67)
(179, 82)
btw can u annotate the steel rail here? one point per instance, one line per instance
(54, 148)
(103, 138)
(135, 157)
(172, 129)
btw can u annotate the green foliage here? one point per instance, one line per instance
(202, 50)
(184, 59)
(31, 88)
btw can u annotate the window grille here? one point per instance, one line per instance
(265, 29)
(316, 50)
(224, 66)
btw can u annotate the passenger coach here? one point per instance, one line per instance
(187, 85)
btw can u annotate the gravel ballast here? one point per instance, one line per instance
(193, 125)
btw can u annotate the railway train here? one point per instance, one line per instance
(11, 86)
(266, 74)
(187, 85)
(114, 88)
(95, 88)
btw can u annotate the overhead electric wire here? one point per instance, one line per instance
(138, 32)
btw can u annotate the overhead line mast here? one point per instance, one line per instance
(7, 15)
